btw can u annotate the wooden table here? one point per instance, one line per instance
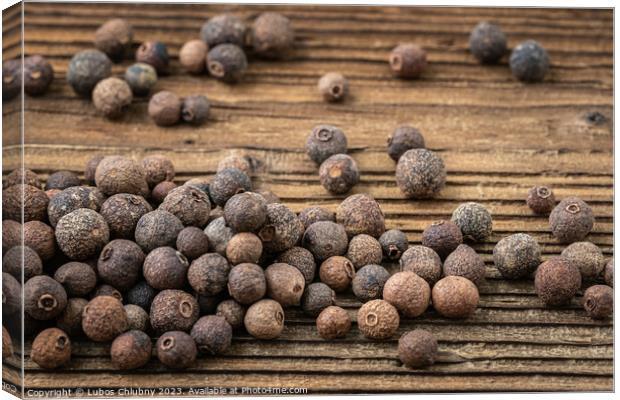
(498, 137)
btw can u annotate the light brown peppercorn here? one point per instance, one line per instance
(86, 68)
(81, 234)
(120, 264)
(245, 212)
(465, 262)
(161, 190)
(407, 60)
(363, 250)
(112, 97)
(312, 214)
(44, 298)
(282, 229)
(301, 259)
(193, 56)
(62, 180)
(588, 257)
(443, 237)
(212, 334)
(7, 345)
(173, 310)
(316, 298)
(51, 349)
(189, 204)
(157, 229)
(272, 35)
(192, 242)
(208, 274)
(165, 108)
(422, 261)
(73, 198)
(118, 174)
(333, 322)
(104, 318)
(571, 220)
(455, 297)
(176, 349)
(165, 268)
(40, 237)
(24, 201)
(131, 350)
(137, 318)
(360, 213)
(122, 212)
(368, 282)
(333, 86)
(541, 200)
(417, 348)
(337, 272)
(70, 320)
(232, 311)
(20, 260)
(21, 176)
(264, 319)
(114, 37)
(409, 293)
(78, 279)
(339, 173)
(598, 301)
(247, 283)
(325, 239)
(557, 281)
(285, 284)
(609, 272)
(378, 319)
(157, 168)
(244, 247)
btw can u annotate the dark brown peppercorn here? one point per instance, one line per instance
(227, 62)
(245, 163)
(165, 108)
(22, 176)
(598, 301)
(443, 237)
(282, 229)
(86, 68)
(363, 250)
(137, 318)
(157, 168)
(193, 56)
(165, 268)
(474, 220)
(91, 167)
(333, 86)
(420, 173)
(244, 247)
(202, 183)
(541, 200)
(11, 295)
(157, 229)
(192, 242)
(404, 138)
(195, 109)
(378, 320)
(247, 283)
(51, 349)
(609, 272)
(104, 318)
(369, 281)
(131, 350)
(122, 212)
(141, 295)
(161, 190)
(208, 274)
(417, 348)
(272, 35)
(571, 220)
(176, 350)
(117, 174)
(12, 235)
(155, 54)
(529, 61)
(120, 264)
(44, 298)
(173, 310)
(141, 78)
(325, 141)
(7, 345)
(316, 298)
(393, 244)
(212, 334)
(189, 204)
(310, 215)
(74, 198)
(223, 28)
(408, 292)
(407, 60)
(333, 322)
(81, 234)
(62, 180)
(588, 257)
(112, 97)
(22, 259)
(208, 304)
(11, 78)
(339, 173)
(337, 272)
(325, 239)
(465, 262)
(264, 319)
(24, 201)
(301, 259)
(40, 237)
(218, 234)
(227, 183)
(78, 279)
(107, 290)
(232, 311)
(38, 75)
(245, 212)
(70, 320)
(455, 297)
(114, 37)
(360, 213)
(487, 43)
(516, 256)
(285, 284)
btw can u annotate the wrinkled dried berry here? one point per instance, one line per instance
(337, 272)
(22, 260)
(137, 317)
(245, 212)
(24, 201)
(131, 350)
(369, 281)
(12, 295)
(407, 60)
(218, 234)
(212, 334)
(244, 247)
(51, 349)
(117, 174)
(165, 108)
(474, 220)
(7, 345)
(106, 290)
(120, 264)
(141, 78)
(272, 35)
(141, 295)
(455, 297)
(223, 28)
(404, 138)
(22, 176)
(173, 310)
(443, 237)
(232, 311)
(62, 180)
(157, 229)
(165, 268)
(325, 239)
(360, 213)
(393, 244)
(529, 61)
(155, 54)
(161, 190)
(316, 298)
(302, 259)
(78, 279)
(598, 301)
(339, 173)
(193, 56)
(190, 205)
(465, 262)
(516, 256)
(264, 319)
(333, 86)
(285, 284)
(11, 78)
(310, 215)
(541, 200)
(104, 318)
(325, 141)
(227, 62)
(195, 109)
(12, 235)
(247, 283)
(408, 292)
(91, 167)
(81, 234)
(192, 242)
(420, 173)
(282, 229)
(587, 256)
(244, 163)
(122, 212)
(40, 237)
(363, 250)
(114, 37)
(38, 75)
(557, 281)
(176, 350)
(112, 97)
(487, 42)
(208, 274)
(86, 68)
(378, 319)
(70, 320)
(571, 220)
(333, 322)
(417, 348)
(202, 183)
(227, 183)
(609, 272)
(157, 168)
(74, 198)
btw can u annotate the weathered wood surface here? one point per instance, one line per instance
(497, 136)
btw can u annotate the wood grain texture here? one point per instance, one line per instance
(498, 137)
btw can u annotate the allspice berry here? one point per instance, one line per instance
(407, 60)
(104, 318)
(155, 54)
(227, 183)
(417, 348)
(176, 349)
(71, 199)
(244, 163)
(541, 200)
(339, 173)
(62, 180)
(70, 320)
(360, 213)
(282, 229)
(333, 322)
(120, 264)
(51, 349)
(24, 201)
(244, 247)
(302, 259)
(408, 292)
(118, 174)
(21, 176)
(232, 311)
(107, 290)
(378, 320)
(420, 173)
(212, 334)
(131, 350)
(218, 234)
(173, 310)
(11, 78)
(571, 220)
(122, 212)
(337, 272)
(114, 38)
(516, 256)
(316, 298)
(161, 190)
(157, 168)
(12, 235)
(333, 86)
(557, 281)
(91, 167)
(424, 262)
(38, 236)
(165, 268)
(455, 297)
(22, 259)
(193, 56)
(404, 138)
(393, 244)
(369, 281)
(223, 28)
(78, 279)
(157, 229)
(312, 214)
(443, 237)
(112, 97)
(264, 319)
(325, 141)
(474, 220)
(141, 294)
(245, 212)
(487, 43)
(465, 262)
(609, 272)
(285, 284)
(325, 239)
(588, 257)
(195, 109)
(44, 298)
(272, 35)
(247, 283)
(192, 242)
(86, 68)
(141, 78)
(137, 318)
(12, 297)
(81, 234)
(227, 62)
(208, 274)
(529, 61)
(165, 108)
(363, 250)
(598, 301)
(189, 204)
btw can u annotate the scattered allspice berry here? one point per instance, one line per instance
(104, 318)
(337, 272)
(244, 247)
(598, 301)
(173, 310)
(176, 349)
(443, 237)
(165, 268)
(51, 349)
(141, 78)
(465, 262)
(86, 68)
(192, 242)
(22, 259)
(540, 200)
(455, 297)
(44, 298)
(247, 283)
(422, 261)
(302, 259)
(190, 205)
(588, 257)
(223, 28)
(272, 35)
(114, 37)
(62, 180)
(195, 109)
(137, 318)
(78, 279)
(70, 320)
(557, 281)
(369, 281)
(403, 139)
(264, 319)
(333, 322)
(157, 229)
(155, 54)
(118, 174)
(282, 229)
(325, 239)
(417, 348)
(218, 234)
(360, 213)
(38, 75)
(232, 311)
(339, 173)
(378, 320)
(393, 244)
(516, 256)
(474, 220)
(571, 220)
(228, 182)
(71, 199)
(409, 293)
(81, 234)
(407, 60)
(131, 350)
(193, 56)
(24, 201)
(208, 274)
(333, 86)
(245, 212)
(487, 43)
(285, 284)
(227, 62)
(312, 214)
(363, 250)
(529, 61)
(212, 334)
(122, 212)
(316, 298)
(420, 173)
(165, 108)
(112, 97)
(325, 141)
(609, 272)
(157, 168)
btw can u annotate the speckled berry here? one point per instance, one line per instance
(112, 97)
(227, 62)
(86, 68)
(404, 138)
(455, 297)
(51, 349)
(38, 75)
(529, 61)
(141, 294)
(244, 247)
(195, 109)
(588, 257)
(141, 78)
(193, 56)
(223, 28)
(70, 320)
(360, 213)
(339, 173)
(363, 250)
(20, 260)
(245, 212)
(282, 229)
(176, 349)
(155, 54)
(557, 281)
(120, 264)
(333, 86)
(131, 350)
(24, 202)
(137, 317)
(227, 183)
(571, 220)
(190, 205)
(487, 43)
(74, 198)
(312, 214)
(541, 200)
(165, 268)
(118, 174)
(407, 61)
(333, 322)
(516, 256)
(465, 262)
(173, 310)
(40, 237)
(408, 292)
(122, 212)
(114, 37)
(302, 259)
(165, 108)
(218, 234)
(316, 298)
(247, 283)
(325, 141)
(157, 229)
(81, 234)
(598, 301)
(232, 311)
(369, 281)
(378, 320)
(264, 319)
(337, 272)
(192, 242)
(417, 348)
(62, 180)
(443, 237)
(272, 35)
(104, 318)
(78, 279)
(21, 176)
(212, 334)
(474, 220)
(420, 173)
(208, 274)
